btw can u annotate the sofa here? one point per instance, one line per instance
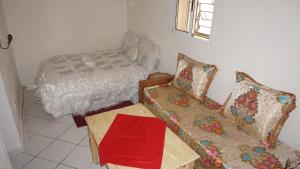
(202, 125)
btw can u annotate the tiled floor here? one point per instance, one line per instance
(51, 143)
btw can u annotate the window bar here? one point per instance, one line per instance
(201, 16)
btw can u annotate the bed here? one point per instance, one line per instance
(81, 83)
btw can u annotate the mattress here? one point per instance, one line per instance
(80, 83)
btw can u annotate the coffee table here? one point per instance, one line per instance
(176, 153)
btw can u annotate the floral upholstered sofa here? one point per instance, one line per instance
(203, 125)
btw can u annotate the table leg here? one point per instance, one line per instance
(93, 147)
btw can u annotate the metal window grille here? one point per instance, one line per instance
(203, 17)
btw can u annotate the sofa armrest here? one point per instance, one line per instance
(152, 82)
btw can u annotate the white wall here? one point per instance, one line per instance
(261, 38)
(10, 94)
(44, 28)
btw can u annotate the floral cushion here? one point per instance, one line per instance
(220, 144)
(193, 77)
(257, 109)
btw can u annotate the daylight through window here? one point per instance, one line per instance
(183, 15)
(202, 17)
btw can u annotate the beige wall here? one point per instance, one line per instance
(10, 94)
(44, 28)
(261, 38)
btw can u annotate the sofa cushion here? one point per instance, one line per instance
(193, 77)
(257, 109)
(216, 139)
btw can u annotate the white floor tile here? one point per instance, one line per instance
(36, 124)
(57, 151)
(38, 163)
(85, 142)
(46, 116)
(64, 167)
(74, 135)
(97, 166)
(68, 119)
(35, 144)
(27, 135)
(27, 118)
(70, 151)
(79, 158)
(33, 110)
(53, 129)
(18, 161)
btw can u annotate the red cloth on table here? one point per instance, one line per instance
(133, 141)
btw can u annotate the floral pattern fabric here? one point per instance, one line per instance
(179, 99)
(193, 77)
(210, 155)
(245, 107)
(208, 123)
(259, 158)
(216, 139)
(259, 110)
(185, 78)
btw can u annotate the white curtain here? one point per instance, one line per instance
(4, 159)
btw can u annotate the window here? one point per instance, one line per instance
(202, 12)
(203, 17)
(183, 15)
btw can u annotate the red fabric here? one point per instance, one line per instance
(133, 141)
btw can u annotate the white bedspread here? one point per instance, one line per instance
(87, 82)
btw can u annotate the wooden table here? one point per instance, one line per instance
(176, 153)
